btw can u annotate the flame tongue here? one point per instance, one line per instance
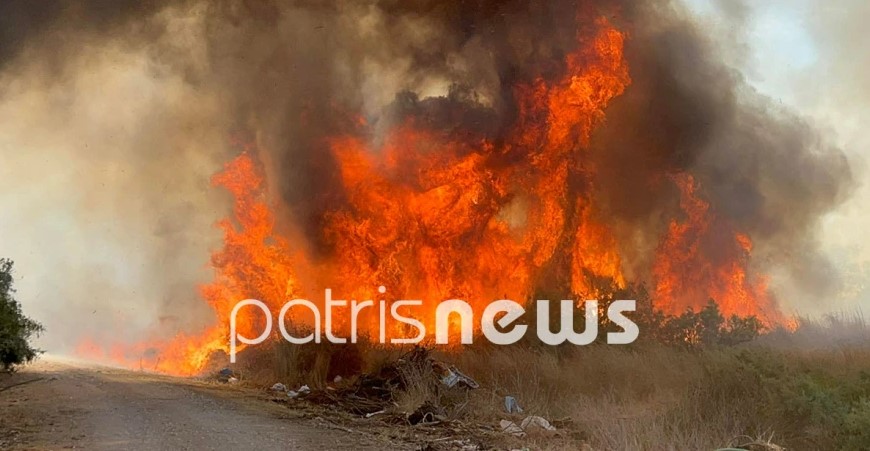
(703, 257)
(435, 218)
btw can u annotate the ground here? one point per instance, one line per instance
(61, 404)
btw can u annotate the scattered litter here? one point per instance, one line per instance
(233, 380)
(531, 424)
(509, 427)
(511, 405)
(337, 380)
(369, 415)
(427, 413)
(451, 376)
(279, 387)
(225, 374)
(372, 394)
(301, 391)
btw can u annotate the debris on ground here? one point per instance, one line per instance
(279, 387)
(225, 374)
(511, 405)
(429, 400)
(427, 413)
(534, 424)
(530, 425)
(301, 391)
(450, 376)
(369, 415)
(509, 427)
(370, 394)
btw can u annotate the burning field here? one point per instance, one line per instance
(408, 150)
(488, 151)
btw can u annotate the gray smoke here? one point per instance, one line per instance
(766, 170)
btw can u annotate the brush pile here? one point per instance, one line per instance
(414, 388)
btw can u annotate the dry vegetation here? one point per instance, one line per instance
(807, 389)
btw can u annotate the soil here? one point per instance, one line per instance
(63, 404)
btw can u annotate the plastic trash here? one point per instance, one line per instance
(511, 405)
(301, 391)
(225, 374)
(531, 424)
(509, 427)
(534, 423)
(452, 376)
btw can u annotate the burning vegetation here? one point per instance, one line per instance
(482, 194)
(478, 151)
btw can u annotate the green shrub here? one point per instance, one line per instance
(810, 403)
(16, 330)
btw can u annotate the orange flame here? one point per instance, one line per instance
(433, 215)
(702, 257)
(436, 216)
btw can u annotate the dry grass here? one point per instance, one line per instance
(643, 397)
(614, 399)
(419, 388)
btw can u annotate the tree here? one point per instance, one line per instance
(16, 330)
(709, 328)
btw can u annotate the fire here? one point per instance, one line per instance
(702, 256)
(439, 216)
(435, 214)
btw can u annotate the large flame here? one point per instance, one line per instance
(437, 216)
(703, 257)
(434, 215)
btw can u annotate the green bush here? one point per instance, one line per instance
(809, 402)
(708, 328)
(704, 329)
(16, 330)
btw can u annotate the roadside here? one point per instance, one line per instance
(63, 404)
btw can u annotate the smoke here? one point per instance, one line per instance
(114, 115)
(833, 90)
(764, 169)
(106, 154)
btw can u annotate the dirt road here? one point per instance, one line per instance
(63, 405)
